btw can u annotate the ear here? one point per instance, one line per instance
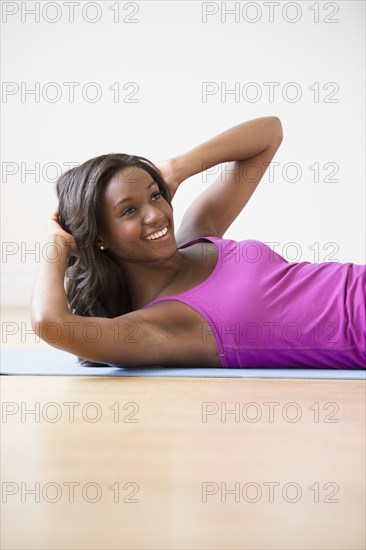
(101, 243)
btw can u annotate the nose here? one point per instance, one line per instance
(152, 215)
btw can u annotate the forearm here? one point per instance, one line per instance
(49, 300)
(238, 143)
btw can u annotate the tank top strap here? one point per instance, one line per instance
(211, 238)
(198, 239)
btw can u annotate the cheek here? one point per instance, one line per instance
(122, 237)
(170, 214)
(167, 209)
(122, 227)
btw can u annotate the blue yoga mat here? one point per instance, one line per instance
(54, 362)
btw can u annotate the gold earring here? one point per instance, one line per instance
(101, 247)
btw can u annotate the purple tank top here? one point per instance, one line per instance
(264, 311)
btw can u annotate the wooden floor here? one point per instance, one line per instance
(149, 463)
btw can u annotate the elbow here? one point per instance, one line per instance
(36, 321)
(37, 317)
(48, 330)
(39, 327)
(48, 325)
(61, 332)
(277, 128)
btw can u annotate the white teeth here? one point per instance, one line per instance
(157, 235)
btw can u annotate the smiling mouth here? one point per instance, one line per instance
(157, 235)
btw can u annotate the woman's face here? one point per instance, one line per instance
(132, 212)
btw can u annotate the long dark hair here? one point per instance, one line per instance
(96, 285)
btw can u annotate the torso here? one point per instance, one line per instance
(193, 340)
(253, 287)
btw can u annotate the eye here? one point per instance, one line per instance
(128, 211)
(157, 195)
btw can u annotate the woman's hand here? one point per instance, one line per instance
(55, 231)
(169, 173)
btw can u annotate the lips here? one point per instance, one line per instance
(157, 234)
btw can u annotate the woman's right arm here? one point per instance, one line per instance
(134, 339)
(250, 148)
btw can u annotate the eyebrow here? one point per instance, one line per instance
(127, 199)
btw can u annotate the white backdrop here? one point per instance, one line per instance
(81, 79)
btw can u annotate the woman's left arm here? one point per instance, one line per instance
(250, 146)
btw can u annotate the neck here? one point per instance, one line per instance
(147, 280)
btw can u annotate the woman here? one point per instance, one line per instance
(140, 295)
